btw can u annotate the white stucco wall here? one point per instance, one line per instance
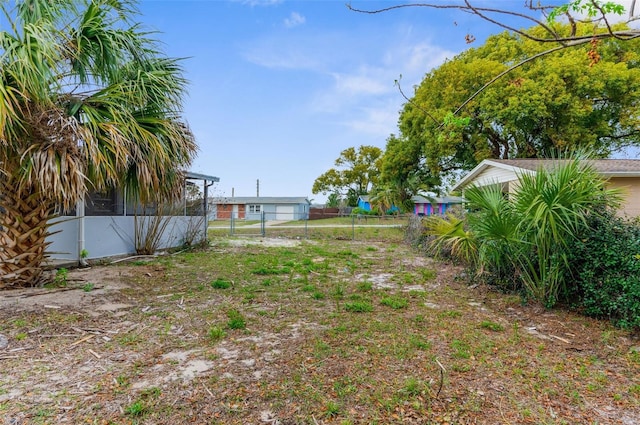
(112, 235)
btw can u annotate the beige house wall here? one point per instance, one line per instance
(631, 192)
(630, 187)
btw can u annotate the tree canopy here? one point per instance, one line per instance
(355, 172)
(579, 98)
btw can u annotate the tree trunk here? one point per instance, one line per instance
(23, 232)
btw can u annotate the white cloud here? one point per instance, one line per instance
(379, 122)
(253, 3)
(294, 20)
(360, 84)
(283, 58)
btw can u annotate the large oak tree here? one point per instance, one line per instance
(585, 97)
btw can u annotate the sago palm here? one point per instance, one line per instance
(87, 102)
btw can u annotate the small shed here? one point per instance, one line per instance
(623, 173)
(281, 208)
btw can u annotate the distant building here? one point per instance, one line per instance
(253, 208)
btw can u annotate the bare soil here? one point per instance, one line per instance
(136, 349)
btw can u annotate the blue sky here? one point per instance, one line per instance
(279, 88)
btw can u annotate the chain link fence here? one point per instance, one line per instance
(336, 226)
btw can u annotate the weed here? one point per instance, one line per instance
(395, 303)
(450, 313)
(413, 387)
(419, 343)
(60, 280)
(338, 290)
(20, 336)
(129, 339)
(221, 284)
(136, 408)
(151, 392)
(358, 307)
(460, 367)
(308, 288)
(428, 274)
(266, 271)
(365, 286)
(332, 409)
(318, 295)
(516, 333)
(19, 323)
(216, 333)
(236, 320)
(492, 326)
(88, 287)
(122, 381)
(461, 349)
(347, 254)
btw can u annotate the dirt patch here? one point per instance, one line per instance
(270, 242)
(140, 347)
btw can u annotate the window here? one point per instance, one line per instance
(104, 203)
(254, 208)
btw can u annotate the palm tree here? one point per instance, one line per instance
(87, 102)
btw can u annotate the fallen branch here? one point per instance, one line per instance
(80, 341)
(442, 372)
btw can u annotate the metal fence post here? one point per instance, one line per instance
(231, 225)
(353, 227)
(262, 224)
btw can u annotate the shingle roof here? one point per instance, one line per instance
(606, 167)
(438, 200)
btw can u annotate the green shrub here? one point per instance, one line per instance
(605, 265)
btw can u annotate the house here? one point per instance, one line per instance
(433, 206)
(107, 224)
(253, 208)
(364, 203)
(622, 173)
(422, 205)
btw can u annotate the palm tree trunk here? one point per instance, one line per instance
(23, 232)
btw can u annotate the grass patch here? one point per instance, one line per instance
(216, 333)
(358, 306)
(236, 320)
(395, 302)
(492, 326)
(221, 284)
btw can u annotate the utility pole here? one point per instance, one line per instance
(258, 188)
